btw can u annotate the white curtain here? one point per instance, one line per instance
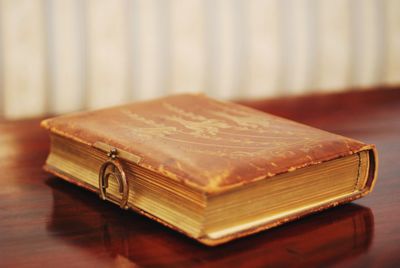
(58, 56)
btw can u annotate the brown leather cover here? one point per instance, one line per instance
(207, 144)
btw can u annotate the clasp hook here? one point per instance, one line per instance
(113, 168)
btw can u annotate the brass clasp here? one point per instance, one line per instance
(113, 168)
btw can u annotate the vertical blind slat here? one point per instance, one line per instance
(107, 71)
(65, 52)
(187, 47)
(149, 62)
(261, 72)
(298, 51)
(24, 58)
(392, 73)
(226, 56)
(366, 42)
(333, 72)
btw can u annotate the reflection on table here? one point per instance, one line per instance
(81, 219)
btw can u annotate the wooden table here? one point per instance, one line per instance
(45, 221)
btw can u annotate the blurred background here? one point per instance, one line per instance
(58, 56)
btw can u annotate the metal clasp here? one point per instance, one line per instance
(113, 168)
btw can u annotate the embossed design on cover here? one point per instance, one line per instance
(206, 143)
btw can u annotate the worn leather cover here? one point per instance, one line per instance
(204, 143)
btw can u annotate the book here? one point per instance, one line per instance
(211, 169)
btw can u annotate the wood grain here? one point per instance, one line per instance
(48, 222)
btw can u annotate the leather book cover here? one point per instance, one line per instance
(210, 145)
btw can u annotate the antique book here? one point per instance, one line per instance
(211, 169)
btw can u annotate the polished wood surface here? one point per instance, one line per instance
(45, 221)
